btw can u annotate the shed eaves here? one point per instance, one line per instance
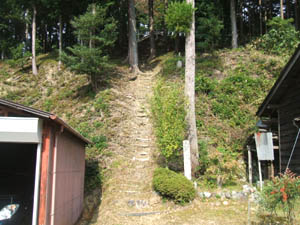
(290, 71)
(45, 115)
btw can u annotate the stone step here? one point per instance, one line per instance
(143, 139)
(138, 203)
(142, 146)
(140, 159)
(141, 214)
(143, 153)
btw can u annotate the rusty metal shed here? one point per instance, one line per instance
(58, 154)
(279, 110)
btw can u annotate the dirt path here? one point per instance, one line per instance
(128, 197)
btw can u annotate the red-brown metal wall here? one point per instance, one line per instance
(68, 180)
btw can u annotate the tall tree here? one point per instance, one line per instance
(260, 18)
(297, 15)
(60, 42)
(34, 68)
(87, 59)
(151, 26)
(190, 68)
(132, 40)
(234, 42)
(281, 9)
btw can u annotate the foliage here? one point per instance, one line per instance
(169, 68)
(179, 17)
(230, 86)
(93, 175)
(97, 32)
(203, 158)
(169, 118)
(204, 84)
(174, 186)
(208, 25)
(19, 56)
(281, 193)
(282, 37)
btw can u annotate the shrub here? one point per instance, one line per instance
(179, 17)
(20, 57)
(93, 176)
(204, 84)
(282, 38)
(169, 118)
(208, 25)
(173, 185)
(281, 193)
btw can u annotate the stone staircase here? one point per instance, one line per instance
(128, 197)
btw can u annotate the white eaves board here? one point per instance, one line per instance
(20, 130)
(264, 146)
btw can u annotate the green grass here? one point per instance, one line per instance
(230, 86)
(67, 95)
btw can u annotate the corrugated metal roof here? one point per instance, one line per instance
(45, 115)
(291, 70)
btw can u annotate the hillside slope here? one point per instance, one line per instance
(117, 119)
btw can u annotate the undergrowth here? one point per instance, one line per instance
(169, 118)
(68, 96)
(230, 85)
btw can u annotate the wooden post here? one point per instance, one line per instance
(187, 160)
(249, 164)
(260, 175)
(272, 169)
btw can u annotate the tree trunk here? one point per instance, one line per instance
(45, 41)
(190, 68)
(92, 32)
(151, 26)
(26, 28)
(166, 3)
(260, 19)
(2, 55)
(177, 39)
(297, 15)
(34, 68)
(241, 24)
(60, 42)
(132, 42)
(288, 9)
(281, 9)
(233, 24)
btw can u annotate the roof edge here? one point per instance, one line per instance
(44, 115)
(279, 81)
(69, 128)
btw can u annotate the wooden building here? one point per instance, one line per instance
(45, 157)
(278, 112)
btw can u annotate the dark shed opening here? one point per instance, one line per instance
(17, 175)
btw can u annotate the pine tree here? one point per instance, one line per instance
(91, 56)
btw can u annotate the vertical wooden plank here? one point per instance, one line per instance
(44, 173)
(279, 142)
(272, 169)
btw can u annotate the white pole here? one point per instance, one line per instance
(187, 160)
(260, 175)
(37, 184)
(249, 164)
